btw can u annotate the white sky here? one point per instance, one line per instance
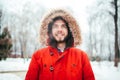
(78, 7)
(61, 3)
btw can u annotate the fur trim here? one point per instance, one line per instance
(74, 27)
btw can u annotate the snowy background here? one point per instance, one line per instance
(22, 17)
(15, 69)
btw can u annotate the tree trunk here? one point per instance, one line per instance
(116, 34)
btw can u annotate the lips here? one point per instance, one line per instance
(59, 35)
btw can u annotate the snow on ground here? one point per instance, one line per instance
(14, 64)
(13, 69)
(9, 76)
(103, 70)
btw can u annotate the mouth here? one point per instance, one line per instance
(59, 35)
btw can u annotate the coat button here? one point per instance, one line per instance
(51, 53)
(74, 65)
(45, 65)
(51, 68)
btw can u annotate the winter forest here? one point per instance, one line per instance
(99, 22)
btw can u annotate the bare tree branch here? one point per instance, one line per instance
(112, 14)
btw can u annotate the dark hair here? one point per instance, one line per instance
(69, 39)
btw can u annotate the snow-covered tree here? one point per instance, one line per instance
(5, 44)
(103, 32)
(23, 19)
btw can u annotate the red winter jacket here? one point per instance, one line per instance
(49, 64)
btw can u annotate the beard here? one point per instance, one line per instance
(60, 40)
(53, 40)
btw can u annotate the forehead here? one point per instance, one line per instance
(59, 22)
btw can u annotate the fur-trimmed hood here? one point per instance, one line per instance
(74, 27)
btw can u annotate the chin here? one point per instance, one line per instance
(60, 41)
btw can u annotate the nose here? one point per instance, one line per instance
(59, 29)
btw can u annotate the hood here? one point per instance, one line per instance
(74, 27)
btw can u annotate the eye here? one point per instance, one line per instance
(54, 26)
(64, 26)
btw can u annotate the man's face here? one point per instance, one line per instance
(59, 31)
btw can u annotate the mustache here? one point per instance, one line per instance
(62, 34)
(59, 34)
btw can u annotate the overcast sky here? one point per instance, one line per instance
(78, 7)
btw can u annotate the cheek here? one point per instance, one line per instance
(54, 30)
(66, 32)
(53, 33)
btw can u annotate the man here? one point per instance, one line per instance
(60, 60)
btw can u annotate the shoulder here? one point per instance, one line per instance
(42, 49)
(38, 53)
(78, 52)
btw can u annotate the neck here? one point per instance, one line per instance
(61, 46)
